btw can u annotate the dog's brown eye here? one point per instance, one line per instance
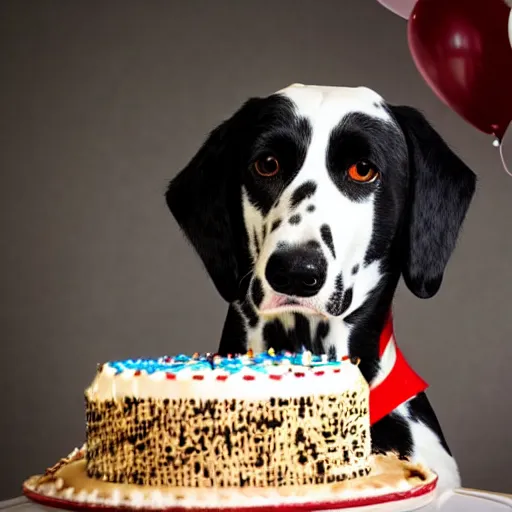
(362, 172)
(268, 166)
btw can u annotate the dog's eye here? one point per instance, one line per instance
(362, 172)
(267, 166)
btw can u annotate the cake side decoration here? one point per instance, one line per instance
(248, 429)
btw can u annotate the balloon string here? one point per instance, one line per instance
(507, 170)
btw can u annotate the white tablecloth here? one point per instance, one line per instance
(461, 500)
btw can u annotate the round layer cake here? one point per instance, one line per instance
(265, 420)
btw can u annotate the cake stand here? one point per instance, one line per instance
(70, 488)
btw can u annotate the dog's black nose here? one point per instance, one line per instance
(297, 271)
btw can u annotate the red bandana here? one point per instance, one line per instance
(396, 382)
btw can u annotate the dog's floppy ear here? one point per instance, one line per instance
(441, 189)
(205, 199)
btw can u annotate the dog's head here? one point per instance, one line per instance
(303, 200)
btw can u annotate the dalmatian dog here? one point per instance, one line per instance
(306, 207)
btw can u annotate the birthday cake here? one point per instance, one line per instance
(175, 431)
(261, 421)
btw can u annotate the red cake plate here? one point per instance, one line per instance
(394, 486)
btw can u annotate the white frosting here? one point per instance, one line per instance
(295, 381)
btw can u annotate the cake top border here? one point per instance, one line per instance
(210, 376)
(268, 362)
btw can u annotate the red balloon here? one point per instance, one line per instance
(462, 50)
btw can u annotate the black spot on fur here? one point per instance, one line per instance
(233, 338)
(297, 337)
(347, 300)
(257, 292)
(335, 301)
(256, 243)
(325, 232)
(377, 105)
(322, 331)
(311, 208)
(363, 137)
(355, 270)
(285, 135)
(275, 336)
(264, 232)
(367, 322)
(313, 244)
(275, 225)
(302, 332)
(421, 410)
(295, 219)
(331, 353)
(250, 314)
(306, 190)
(392, 433)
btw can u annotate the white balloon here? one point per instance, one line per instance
(401, 7)
(506, 150)
(510, 27)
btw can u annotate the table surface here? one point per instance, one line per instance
(467, 500)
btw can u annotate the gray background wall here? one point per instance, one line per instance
(101, 103)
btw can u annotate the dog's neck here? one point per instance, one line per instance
(366, 334)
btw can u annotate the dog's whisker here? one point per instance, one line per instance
(244, 277)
